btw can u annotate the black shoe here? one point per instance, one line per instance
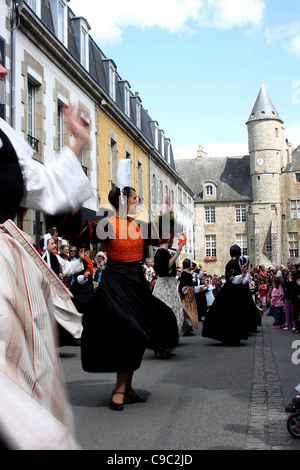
(135, 398)
(117, 406)
(290, 408)
(76, 342)
(296, 403)
(164, 354)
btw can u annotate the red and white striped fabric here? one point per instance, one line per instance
(29, 363)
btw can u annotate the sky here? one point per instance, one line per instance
(198, 65)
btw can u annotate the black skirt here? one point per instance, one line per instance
(124, 319)
(232, 316)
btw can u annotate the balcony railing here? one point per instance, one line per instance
(34, 143)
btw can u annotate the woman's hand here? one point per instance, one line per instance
(79, 128)
(179, 250)
(168, 205)
(81, 254)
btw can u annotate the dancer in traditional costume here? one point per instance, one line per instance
(34, 410)
(68, 317)
(150, 274)
(233, 314)
(187, 292)
(124, 318)
(165, 287)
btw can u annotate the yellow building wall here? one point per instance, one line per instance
(106, 126)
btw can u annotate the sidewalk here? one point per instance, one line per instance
(274, 378)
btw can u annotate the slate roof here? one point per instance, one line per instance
(230, 174)
(295, 165)
(263, 108)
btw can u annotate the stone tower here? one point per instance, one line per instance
(268, 157)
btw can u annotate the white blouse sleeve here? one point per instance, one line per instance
(69, 268)
(240, 279)
(60, 186)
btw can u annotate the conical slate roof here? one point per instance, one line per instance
(263, 108)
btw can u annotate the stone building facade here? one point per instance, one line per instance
(252, 200)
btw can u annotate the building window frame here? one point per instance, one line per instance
(127, 99)
(210, 214)
(241, 213)
(31, 115)
(138, 114)
(295, 209)
(61, 21)
(31, 4)
(242, 242)
(293, 244)
(209, 190)
(210, 245)
(139, 179)
(113, 159)
(60, 126)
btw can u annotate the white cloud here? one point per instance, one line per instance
(288, 34)
(293, 47)
(292, 132)
(109, 19)
(226, 14)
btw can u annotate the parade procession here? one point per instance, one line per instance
(149, 300)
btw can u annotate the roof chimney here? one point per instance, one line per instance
(200, 152)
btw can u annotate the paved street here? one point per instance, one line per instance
(209, 396)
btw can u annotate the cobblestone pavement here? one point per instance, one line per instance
(267, 417)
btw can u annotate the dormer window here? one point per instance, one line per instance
(138, 114)
(209, 190)
(162, 143)
(59, 16)
(169, 151)
(31, 4)
(112, 81)
(127, 99)
(60, 21)
(154, 131)
(83, 46)
(81, 33)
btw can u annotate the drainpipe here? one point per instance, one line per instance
(15, 22)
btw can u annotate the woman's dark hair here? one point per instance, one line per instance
(235, 251)
(115, 194)
(186, 263)
(277, 281)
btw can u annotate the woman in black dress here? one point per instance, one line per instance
(165, 287)
(124, 317)
(233, 313)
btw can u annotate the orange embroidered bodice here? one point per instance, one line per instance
(125, 242)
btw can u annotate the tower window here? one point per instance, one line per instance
(298, 177)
